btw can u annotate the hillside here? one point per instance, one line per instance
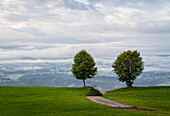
(151, 98)
(19, 101)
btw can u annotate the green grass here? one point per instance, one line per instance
(151, 98)
(44, 101)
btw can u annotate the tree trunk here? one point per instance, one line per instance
(84, 83)
(129, 83)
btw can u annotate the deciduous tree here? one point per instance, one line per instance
(128, 66)
(84, 66)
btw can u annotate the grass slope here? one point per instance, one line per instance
(23, 101)
(151, 98)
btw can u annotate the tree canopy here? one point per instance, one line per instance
(128, 66)
(84, 66)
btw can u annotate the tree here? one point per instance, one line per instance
(84, 66)
(128, 66)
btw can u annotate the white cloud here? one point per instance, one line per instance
(83, 1)
(78, 19)
(53, 50)
(34, 61)
(97, 26)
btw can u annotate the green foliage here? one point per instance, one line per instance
(128, 66)
(52, 101)
(151, 98)
(93, 92)
(84, 66)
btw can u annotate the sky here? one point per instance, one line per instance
(61, 28)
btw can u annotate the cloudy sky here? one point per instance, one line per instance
(61, 28)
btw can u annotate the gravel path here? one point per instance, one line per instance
(107, 102)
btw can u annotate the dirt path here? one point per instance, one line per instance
(107, 102)
(114, 104)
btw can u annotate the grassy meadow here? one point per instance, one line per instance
(51, 101)
(151, 98)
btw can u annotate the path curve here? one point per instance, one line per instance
(107, 102)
